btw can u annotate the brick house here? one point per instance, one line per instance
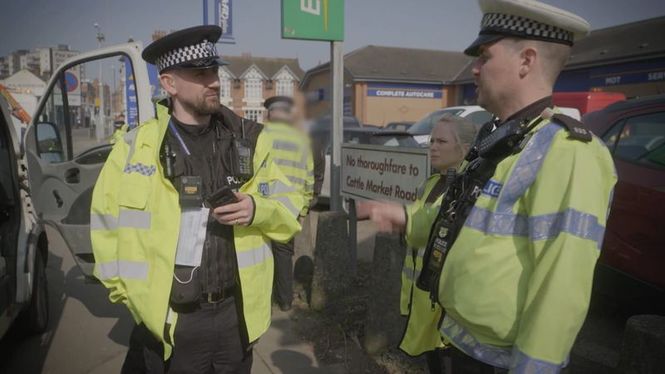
(247, 81)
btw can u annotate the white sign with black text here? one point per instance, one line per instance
(383, 173)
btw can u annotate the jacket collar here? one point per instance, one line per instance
(531, 111)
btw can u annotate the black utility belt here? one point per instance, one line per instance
(218, 297)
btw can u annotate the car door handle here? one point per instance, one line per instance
(58, 199)
(73, 176)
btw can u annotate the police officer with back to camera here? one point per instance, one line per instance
(511, 254)
(291, 150)
(182, 218)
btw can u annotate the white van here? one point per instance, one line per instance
(47, 176)
(23, 243)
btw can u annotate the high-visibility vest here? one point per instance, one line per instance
(421, 333)
(516, 284)
(292, 151)
(135, 219)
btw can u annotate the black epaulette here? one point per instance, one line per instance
(575, 128)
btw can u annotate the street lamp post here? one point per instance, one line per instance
(99, 131)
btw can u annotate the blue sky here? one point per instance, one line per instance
(431, 24)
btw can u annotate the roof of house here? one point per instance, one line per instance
(269, 66)
(393, 64)
(617, 44)
(24, 77)
(621, 43)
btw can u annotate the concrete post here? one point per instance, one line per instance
(384, 326)
(643, 347)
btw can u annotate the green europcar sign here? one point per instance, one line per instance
(313, 19)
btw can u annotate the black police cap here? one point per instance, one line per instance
(192, 48)
(278, 101)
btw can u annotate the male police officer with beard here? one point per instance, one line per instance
(182, 218)
(511, 254)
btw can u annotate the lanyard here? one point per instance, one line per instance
(175, 132)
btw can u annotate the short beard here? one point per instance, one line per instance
(202, 107)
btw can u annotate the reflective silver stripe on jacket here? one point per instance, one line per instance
(291, 163)
(103, 222)
(135, 219)
(506, 358)
(253, 256)
(124, 269)
(287, 204)
(296, 180)
(540, 227)
(284, 145)
(491, 355)
(280, 188)
(527, 167)
(525, 364)
(410, 272)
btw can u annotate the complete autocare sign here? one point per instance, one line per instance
(383, 173)
(410, 91)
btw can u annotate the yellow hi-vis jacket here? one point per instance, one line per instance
(421, 333)
(517, 281)
(135, 221)
(292, 152)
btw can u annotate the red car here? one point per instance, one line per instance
(586, 102)
(632, 262)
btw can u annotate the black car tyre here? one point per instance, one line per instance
(34, 320)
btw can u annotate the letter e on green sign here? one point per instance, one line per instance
(313, 19)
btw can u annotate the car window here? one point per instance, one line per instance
(610, 138)
(642, 140)
(424, 126)
(91, 100)
(323, 123)
(480, 117)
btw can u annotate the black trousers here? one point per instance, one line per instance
(283, 279)
(207, 340)
(454, 361)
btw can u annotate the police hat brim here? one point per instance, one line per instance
(286, 101)
(179, 39)
(205, 63)
(474, 49)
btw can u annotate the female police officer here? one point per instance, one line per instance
(450, 140)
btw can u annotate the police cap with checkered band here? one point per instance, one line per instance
(526, 19)
(191, 48)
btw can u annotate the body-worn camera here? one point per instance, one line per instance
(190, 191)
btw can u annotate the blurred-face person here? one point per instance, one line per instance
(283, 115)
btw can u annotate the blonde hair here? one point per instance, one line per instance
(465, 130)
